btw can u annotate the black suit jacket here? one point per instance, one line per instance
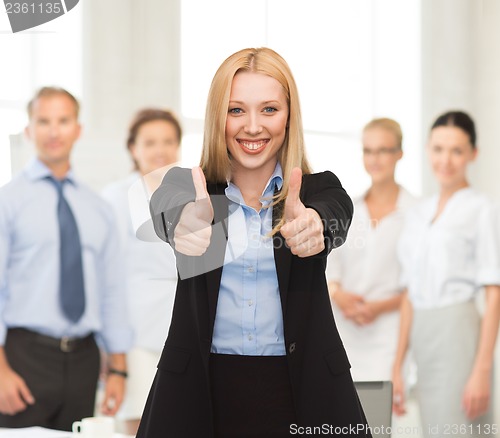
(179, 404)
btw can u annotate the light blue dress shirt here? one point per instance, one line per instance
(29, 261)
(249, 319)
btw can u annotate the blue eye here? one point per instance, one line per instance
(270, 109)
(235, 110)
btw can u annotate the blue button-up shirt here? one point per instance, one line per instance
(249, 318)
(29, 260)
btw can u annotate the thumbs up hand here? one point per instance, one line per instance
(303, 229)
(194, 229)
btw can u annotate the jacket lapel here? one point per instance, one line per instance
(220, 205)
(282, 260)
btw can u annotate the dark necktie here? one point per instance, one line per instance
(71, 287)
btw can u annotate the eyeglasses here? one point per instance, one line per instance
(380, 152)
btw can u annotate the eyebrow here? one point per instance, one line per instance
(267, 102)
(378, 148)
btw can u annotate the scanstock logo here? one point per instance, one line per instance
(31, 13)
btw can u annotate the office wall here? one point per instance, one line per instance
(486, 94)
(131, 59)
(461, 70)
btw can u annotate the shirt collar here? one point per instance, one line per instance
(275, 182)
(402, 201)
(36, 170)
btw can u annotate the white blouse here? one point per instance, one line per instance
(151, 266)
(447, 261)
(367, 265)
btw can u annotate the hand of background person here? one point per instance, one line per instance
(15, 395)
(194, 230)
(477, 394)
(398, 393)
(113, 394)
(366, 312)
(348, 302)
(303, 228)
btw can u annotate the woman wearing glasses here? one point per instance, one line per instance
(364, 273)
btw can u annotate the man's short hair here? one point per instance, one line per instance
(50, 92)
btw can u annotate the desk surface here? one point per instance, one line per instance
(40, 432)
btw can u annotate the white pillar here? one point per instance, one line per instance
(131, 60)
(486, 93)
(447, 70)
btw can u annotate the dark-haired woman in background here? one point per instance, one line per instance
(153, 142)
(449, 250)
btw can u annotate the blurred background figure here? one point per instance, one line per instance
(154, 139)
(364, 273)
(449, 250)
(60, 282)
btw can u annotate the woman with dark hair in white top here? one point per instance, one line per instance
(153, 142)
(449, 250)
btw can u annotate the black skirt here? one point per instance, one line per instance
(251, 396)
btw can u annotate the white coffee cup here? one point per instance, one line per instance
(94, 427)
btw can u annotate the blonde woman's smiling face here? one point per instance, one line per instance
(256, 122)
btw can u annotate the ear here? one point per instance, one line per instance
(78, 131)
(475, 153)
(133, 151)
(27, 132)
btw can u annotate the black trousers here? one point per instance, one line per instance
(62, 381)
(251, 396)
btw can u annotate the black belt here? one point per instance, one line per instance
(65, 344)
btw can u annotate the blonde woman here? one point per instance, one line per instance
(253, 350)
(364, 273)
(449, 250)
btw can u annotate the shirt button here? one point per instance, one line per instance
(250, 337)
(250, 302)
(250, 269)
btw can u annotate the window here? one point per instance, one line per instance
(352, 61)
(49, 54)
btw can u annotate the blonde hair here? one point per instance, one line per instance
(389, 125)
(215, 160)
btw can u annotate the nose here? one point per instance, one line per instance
(446, 158)
(253, 125)
(54, 129)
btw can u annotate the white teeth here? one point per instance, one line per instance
(253, 145)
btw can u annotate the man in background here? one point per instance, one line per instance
(60, 282)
